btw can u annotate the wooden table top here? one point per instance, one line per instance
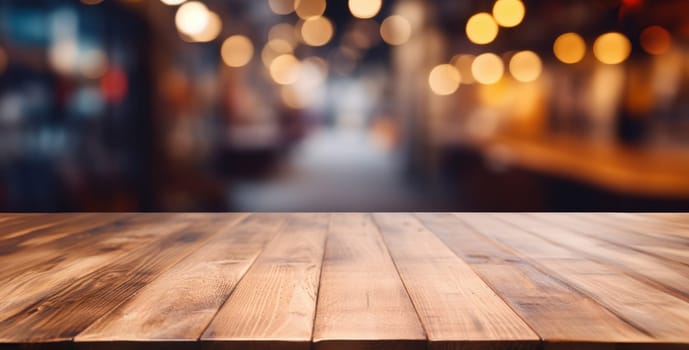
(344, 281)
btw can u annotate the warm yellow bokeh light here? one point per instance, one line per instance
(526, 66)
(444, 79)
(211, 31)
(487, 68)
(316, 31)
(309, 8)
(285, 69)
(463, 65)
(509, 13)
(569, 48)
(612, 48)
(281, 7)
(365, 8)
(192, 18)
(656, 40)
(395, 30)
(237, 50)
(172, 2)
(481, 28)
(273, 49)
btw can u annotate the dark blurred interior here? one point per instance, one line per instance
(359, 105)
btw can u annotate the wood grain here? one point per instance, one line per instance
(663, 316)
(275, 302)
(455, 306)
(362, 303)
(668, 275)
(40, 230)
(188, 295)
(541, 300)
(667, 247)
(68, 309)
(37, 273)
(344, 281)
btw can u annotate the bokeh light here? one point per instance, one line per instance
(281, 7)
(285, 69)
(395, 30)
(365, 8)
(317, 31)
(612, 48)
(237, 51)
(509, 13)
(525, 66)
(167, 2)
(487, 68)
(211, 31)
(63, 56)
(273, 49)
(114, 85)
(569, 48)
(463, 65)
(309, 8)
(481, 28)
(655, 40)
(444, 79)
(192, 18)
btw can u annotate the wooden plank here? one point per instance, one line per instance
(661, 315)
(664, 247)
(180, 304)
(41, 230)
(7, 219)
(645, 225)
(70, 307)
(457, 309)
(681, 219)
(362, 303)
(77, 251)
(17, 232)
(559, 314)
(667, 275)
(274, 304)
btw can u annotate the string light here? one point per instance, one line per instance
(237, 51)
(395, 30)
(481, 28)
(612, 48)
(365, 8)
(192, 18)
(655, 40)
(487, 68)
(317, 31)
(509, 13)
(525, 66)
(444, 79)
(569, 48)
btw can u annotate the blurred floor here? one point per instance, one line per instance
(336, 170)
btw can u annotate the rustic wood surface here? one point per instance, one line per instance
(344, 281)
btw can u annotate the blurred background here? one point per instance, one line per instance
(344, 105)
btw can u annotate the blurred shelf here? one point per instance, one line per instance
(644, 171)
